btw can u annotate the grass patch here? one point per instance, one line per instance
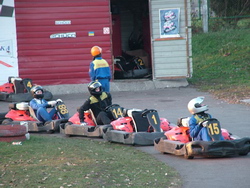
(49, 161)
(221, 64)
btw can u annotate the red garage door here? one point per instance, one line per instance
(54, 38)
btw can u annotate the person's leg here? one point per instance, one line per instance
(52, 113)
(103, 119)
(105, 84)
(43, 115)
(203, 134)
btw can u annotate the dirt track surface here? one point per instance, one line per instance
(171, 103)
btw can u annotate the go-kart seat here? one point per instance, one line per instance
(92, 116)
(141, 124)
(27, 83)
(18, 85)
(121, 63)
(33, 114)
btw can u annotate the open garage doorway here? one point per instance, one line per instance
(131, 39)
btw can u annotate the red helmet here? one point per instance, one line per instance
(123, 124)
(165, 125)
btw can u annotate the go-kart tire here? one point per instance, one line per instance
(2, 117)
(188, 156)
(48, 95)
(50, 131)
(243, 153)
(7, 121)
(12, 130)
(13, 138)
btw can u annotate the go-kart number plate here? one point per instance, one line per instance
(62, 109)
(116, 112)
(29, 85)
(214, 130)
(154, 121)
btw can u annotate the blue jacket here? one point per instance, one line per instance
(99, 69)
(37, 103)
(198, 132)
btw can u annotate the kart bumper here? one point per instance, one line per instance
(135, 138)
(79, 130)
(223, 148)
(36, 126)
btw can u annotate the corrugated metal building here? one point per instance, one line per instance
(54, 37)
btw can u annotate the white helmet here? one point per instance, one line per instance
(195, 106)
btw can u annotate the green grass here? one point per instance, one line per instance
(221, 63)
(50, 161)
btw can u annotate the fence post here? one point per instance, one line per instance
(205, 16)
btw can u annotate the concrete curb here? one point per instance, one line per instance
(119, 85)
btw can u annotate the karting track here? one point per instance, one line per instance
(171, 103)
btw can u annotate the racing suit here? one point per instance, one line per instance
(198, 132)
(40, 108)
(97, 104)
(99, 70)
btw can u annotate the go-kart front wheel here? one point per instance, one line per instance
(7, 121)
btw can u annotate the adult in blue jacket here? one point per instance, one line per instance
(198, 111)
(99, 69)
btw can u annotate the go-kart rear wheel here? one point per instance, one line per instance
(243, 153)
(50, 131)
(7, 121)
(188, 156)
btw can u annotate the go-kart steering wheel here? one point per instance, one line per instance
(146, 111)
(110, 106)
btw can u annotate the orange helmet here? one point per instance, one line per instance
(96, 50)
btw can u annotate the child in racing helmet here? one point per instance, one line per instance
(198, 111)
(40, 105)
(99, 69)
(97, 102)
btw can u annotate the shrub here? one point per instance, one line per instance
(244, 23)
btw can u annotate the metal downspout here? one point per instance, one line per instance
(187, 38)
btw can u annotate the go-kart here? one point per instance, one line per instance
(138, 127)
(91, 129)
(177, 141)
(22, 114)
(129, 68)
(18, 90)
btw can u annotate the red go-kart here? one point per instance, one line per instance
(137, 127)
(21, 113)
(18, 90)
(91, 129)
(177, 141)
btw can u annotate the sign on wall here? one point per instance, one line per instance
(169, 22)
(8, 43)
